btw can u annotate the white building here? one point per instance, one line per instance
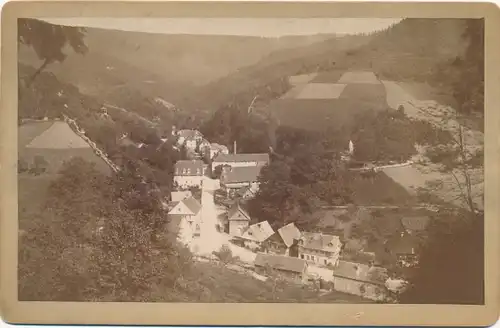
(185, 219)
(319, 248)
(239, 220)
(188, 138)
(216, 149)
(189, 173)
(256, 234)
(233, 179)
(360, 279)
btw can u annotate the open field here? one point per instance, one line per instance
(419, 176)
(372, 93)
(301, 79)
(325, 103)
(320, 114)
(321, 91)
(380, 190)
(332, 76)
(362, 77)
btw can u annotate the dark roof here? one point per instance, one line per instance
(241, 174)
(289, 234)
(320, 241)
(189, 167)
(415, 223)
(192, 204)
(279, 262)
(242, 158)
(360, 272)
(235, 209)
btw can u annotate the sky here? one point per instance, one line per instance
(265, 27)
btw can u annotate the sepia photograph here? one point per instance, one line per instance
(327, 160)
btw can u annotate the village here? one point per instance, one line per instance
(326, 178)
(207, 213)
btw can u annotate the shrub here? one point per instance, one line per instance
(22, 166)
(40, 165)
(225, 254)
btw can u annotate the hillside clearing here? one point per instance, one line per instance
(321, 91)
(362, 77)
(332, 76)
(418, 175)
(380, 190)
(301, 79)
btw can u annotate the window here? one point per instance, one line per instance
(312, 257)
(326, 262)
(302, 256)
(307, 257)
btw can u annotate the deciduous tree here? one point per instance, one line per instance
(49, 40)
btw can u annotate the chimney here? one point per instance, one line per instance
(234, 147)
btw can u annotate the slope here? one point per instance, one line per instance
(412, 50)
(158, 65)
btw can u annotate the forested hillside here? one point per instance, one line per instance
(433, 51)
(158, 65)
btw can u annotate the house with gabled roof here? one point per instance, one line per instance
(189, 173)
(256, 234)
(291, 268)
(320, 249)
(185, 219)
(188, 138)
(284, 241)
(233, 179)
(367, 281)
(215, 149)
(239, 220)
(202, 146)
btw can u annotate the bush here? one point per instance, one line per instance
(225, 254)
(40, 165)
(22, 166)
